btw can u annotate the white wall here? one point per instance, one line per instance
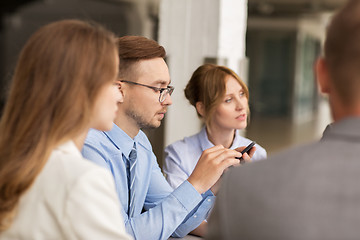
(190, 31)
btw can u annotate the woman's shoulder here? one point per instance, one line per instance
(64, 175)
(188, 142)
(69, 171)
(66, 162)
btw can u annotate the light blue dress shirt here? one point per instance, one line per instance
(166, 211)
(182, 156)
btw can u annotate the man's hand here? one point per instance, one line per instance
(247, 156)
(211, 165)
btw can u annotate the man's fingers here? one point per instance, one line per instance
(219, 154)
(252, 151)
(247, 156)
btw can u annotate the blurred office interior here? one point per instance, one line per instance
(271, 44)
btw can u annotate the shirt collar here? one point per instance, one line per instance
(121, 140)
(345, 128)
(237, 139)
(205, 142)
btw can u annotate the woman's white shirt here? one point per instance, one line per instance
(71, 198)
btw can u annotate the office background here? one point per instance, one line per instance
(271, 44)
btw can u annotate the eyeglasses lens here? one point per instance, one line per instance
(164, 94)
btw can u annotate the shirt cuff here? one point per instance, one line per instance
(208, 193)
(187, 195)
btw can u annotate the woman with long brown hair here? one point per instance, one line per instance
(63, 85)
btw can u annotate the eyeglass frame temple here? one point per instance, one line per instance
(161, 90)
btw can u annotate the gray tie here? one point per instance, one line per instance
(132, 179)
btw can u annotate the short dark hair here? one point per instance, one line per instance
(342, 51)
(135, 48)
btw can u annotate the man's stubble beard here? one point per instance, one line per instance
(140, 120)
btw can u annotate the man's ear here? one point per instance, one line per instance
(120, 86)
(200, 108)
(323, 76)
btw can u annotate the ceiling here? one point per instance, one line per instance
(273, 8)
(291, 8)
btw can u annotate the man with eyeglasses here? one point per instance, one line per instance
(150, 207)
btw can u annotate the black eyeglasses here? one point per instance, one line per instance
(163, 91)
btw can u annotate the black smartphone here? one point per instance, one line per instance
(246, 150)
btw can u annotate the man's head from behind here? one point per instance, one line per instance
(144, 78)
(342, 56)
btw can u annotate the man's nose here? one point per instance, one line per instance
(168, 100)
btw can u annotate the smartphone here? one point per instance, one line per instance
(246, 150)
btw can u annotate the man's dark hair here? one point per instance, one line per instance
(342, 51)
(133, 49)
